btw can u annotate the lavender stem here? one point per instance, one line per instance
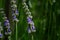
(16, 31)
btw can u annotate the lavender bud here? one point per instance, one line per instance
(28, 13)
(30, 16)
(16, 20)
(24, 3)
(14, 5)
(26, 6)
(26, 9)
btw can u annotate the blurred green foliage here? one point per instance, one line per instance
(46, 16)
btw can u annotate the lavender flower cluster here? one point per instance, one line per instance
(31, 27)
(1, 29)
(7, 30)
(7, 26)
(14, 10)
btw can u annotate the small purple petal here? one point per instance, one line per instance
(29, 19)
(1, 35)
(33, 27)
(6, 24)
(14, 17)
(9, 30)
(29, 30)
(16, 11)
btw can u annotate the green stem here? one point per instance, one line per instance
(32, 37)
(9, 37)
(16, 31)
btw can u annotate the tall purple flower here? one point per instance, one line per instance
(31, 27)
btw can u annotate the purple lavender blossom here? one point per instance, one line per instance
(16, 12)
(14, 16)
(1, 35)
(8, 30)
(6, 23)
(33, 29)
(29, 19)
(29, 30)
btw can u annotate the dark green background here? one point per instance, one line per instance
(46, 16)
